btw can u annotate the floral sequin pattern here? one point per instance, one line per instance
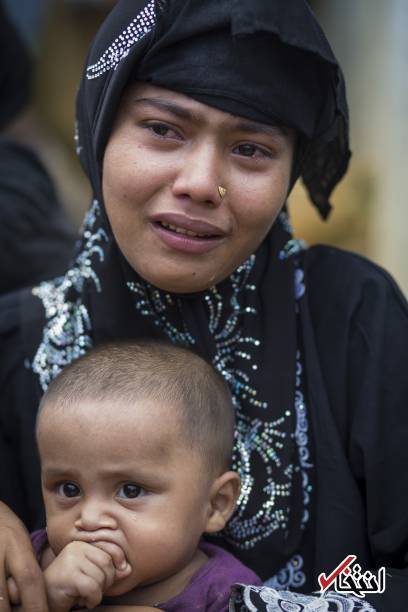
(228, 339)
(120, 48)
(256, 438)
(265, 599)
(291, 576)
(302, 440)
(66, 335)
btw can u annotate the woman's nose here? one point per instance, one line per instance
(95, 515)
(198, 175)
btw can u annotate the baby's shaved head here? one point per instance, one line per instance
(154, 370)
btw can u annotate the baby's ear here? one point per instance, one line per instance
(224, 495)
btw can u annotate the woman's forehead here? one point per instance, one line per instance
(144, 96)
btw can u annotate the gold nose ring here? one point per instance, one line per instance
(222, 191)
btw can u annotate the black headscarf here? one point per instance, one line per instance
(248, 325)
(266, 61)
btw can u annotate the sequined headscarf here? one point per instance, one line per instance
(266, 61)
(249, 325)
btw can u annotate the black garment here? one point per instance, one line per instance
(15, 71)
(36, 238)
(294, 360)
(227, 324)
(356, 348)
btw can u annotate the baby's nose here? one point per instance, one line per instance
(95, 516)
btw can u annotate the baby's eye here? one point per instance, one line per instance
(68, 489)
(130, 491)
(251, 150)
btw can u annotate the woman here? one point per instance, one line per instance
(194, 122)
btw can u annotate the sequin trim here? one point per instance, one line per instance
(299, 284)
(292, 247)
(78, 146)
(292, 575)
(285, 222)
(260, 599)
(152, 303)
(302, 440)
(254, 437)
(141, 25)
(229, 341)
(289, 577)
(66, 335)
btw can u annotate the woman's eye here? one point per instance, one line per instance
(251, 150)
(130, 491)
(68, 489)
(162, 130)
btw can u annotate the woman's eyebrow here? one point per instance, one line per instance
(171, 107)
(262, 128)
(237, 123)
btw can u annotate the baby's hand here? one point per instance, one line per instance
(79, 575)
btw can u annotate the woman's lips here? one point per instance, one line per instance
(185, 234)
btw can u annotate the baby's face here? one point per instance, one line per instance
(121, 474)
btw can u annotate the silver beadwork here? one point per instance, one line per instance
(66, 335)
(141, 25)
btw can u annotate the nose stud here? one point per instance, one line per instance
(222, 191)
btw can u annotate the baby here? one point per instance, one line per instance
(135, 442)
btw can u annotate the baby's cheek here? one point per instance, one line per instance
(58, 534)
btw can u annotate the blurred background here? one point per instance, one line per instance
(370, 39)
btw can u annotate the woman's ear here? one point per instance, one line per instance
(224, 495)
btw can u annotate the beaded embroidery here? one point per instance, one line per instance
(141, 25)
(302, 440)
(253, 436)
(292, 247)
(264, 598)
(292, 576)
(229, 342)
(289, 577)
(66, 335)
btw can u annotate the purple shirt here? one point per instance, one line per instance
(209, 589)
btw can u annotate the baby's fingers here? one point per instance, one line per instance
(89, 590)
(117, 555)
(98, 565)
(13, 593)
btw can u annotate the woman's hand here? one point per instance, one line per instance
(17, 560)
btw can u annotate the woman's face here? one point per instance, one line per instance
(165, 159)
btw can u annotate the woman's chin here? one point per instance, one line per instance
(191, 282)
